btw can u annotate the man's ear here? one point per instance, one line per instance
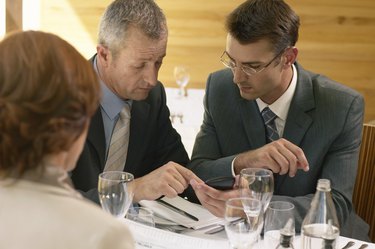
(103, 55)
(290, 56)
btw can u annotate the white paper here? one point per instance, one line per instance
(205, 217)
(150, 237)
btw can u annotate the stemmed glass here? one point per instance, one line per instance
(257, 183)
(182, 77)
(242, 221)
(115, 192)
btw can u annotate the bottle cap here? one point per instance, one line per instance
(324, 185)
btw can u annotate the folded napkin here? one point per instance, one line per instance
(205, 218)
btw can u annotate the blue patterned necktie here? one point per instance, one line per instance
(269, 123)
(271, 134)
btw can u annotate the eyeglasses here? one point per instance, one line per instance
(250, 71)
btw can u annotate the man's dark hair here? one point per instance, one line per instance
(273, 20)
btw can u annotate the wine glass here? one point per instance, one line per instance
(182, 77)
(115, 192)
(257, 183)
(242, 221)
(279, 219)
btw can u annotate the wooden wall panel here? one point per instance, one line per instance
(337, 37)
(13, 15)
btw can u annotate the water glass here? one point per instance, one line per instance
(242, 221)
(257, 183)
(116, 192)
(279, 217)
(141, 215)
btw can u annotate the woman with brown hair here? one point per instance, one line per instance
(48, 93)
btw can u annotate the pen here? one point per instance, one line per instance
(177, 210)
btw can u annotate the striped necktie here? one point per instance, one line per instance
(269, 122)
(118, 148)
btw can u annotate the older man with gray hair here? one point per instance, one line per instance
(131, 130)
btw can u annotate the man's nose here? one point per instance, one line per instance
(238, 75)
(151, 76)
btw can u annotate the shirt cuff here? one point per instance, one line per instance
(232, 167)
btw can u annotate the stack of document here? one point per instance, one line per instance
(183, 212)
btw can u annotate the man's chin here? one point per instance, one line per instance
(247, 95)
(140, 96)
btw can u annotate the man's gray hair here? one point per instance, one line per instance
(145, 15)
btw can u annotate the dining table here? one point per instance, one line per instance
(156, 238)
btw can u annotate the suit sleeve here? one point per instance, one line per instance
(207, 158)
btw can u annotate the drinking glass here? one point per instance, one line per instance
(182, 77)
(242, 221)
(141, 215)
(115, 192)
(257, 183)
(279, 217)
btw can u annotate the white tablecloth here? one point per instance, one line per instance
(149, 237)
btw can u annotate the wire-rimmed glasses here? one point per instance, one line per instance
(248, 70)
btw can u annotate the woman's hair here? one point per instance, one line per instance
(120, 15)
(272, 20)
(48, 93)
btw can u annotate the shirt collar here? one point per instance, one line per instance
(110, 102)
(281, 106)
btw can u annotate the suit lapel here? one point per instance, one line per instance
(138, 131)
(96, 137)
(253, 123)
(298, 120)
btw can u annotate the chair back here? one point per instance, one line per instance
(364, 189)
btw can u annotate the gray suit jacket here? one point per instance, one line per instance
(324, 119)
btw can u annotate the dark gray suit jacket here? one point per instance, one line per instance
(153, 142)
(325, 120)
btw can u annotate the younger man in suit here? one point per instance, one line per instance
(265, 110)
(131, 47)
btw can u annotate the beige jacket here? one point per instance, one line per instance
(46, 213)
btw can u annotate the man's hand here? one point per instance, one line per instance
(212, 199)
(280, 156)
(170, 180)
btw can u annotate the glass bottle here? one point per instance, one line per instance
(320, 227)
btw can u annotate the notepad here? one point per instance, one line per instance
(205, 218)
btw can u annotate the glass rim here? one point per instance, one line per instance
(128, 176)
(289, 206)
